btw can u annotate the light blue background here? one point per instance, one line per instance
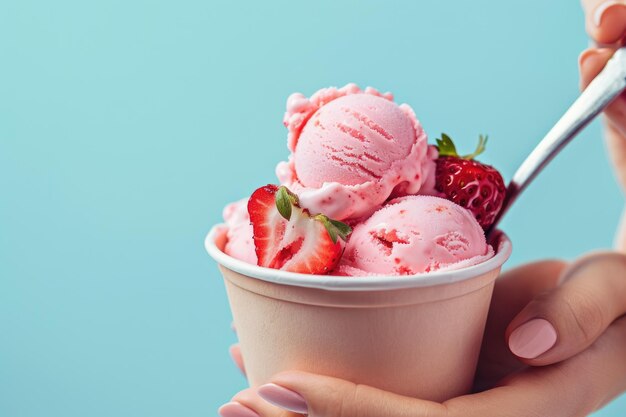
(125, 126)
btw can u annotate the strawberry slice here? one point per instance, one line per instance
(288, 237)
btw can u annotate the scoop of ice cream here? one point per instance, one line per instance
(415, 234)
(240, 243)
(352, 140)
(352, 149)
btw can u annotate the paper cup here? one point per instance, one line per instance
(416, 335)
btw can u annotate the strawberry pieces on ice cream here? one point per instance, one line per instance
(287, 237)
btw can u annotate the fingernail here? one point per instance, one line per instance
(283, 398)
(532, 338)
(602, 9)
(586, 57)
(235, 409)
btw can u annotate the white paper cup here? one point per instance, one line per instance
(416, 335)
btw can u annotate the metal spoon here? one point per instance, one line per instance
(601, 91)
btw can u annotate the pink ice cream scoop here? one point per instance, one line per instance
(240, 243)
(415, 234)
(352, 149)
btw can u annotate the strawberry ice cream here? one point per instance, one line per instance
(352, 149)
(415, 234)
(361, 176)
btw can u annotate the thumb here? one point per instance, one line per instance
(605, 20)
(322, 396)
(591, 62)
(566, 320)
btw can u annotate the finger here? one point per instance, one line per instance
(512, 292)
(586, 382)
(611, 345)
(591, 62)
(322, 396)
(563, 322)
(605, 20)
(235, 354)
(515, 288)
(248, 403)
(236, 409)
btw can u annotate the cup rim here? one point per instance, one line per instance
(502, 246)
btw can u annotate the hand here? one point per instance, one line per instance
(570, 364)
(606, 25)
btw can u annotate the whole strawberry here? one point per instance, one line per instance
(288, 237)
(469, 183)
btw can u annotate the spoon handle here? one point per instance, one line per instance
(601, 91)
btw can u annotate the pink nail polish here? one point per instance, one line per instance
(235, 409)
(532, 338)
(601, 10)
(283, 398)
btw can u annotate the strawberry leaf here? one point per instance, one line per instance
(446, 147)
(480, 148)
(332, 231)
(343, 230)
(283, 202)
(335, 228)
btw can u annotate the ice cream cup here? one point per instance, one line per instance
(416, 335)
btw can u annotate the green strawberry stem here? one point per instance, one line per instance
(480, 148)
(334, 228)
(446, 147)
